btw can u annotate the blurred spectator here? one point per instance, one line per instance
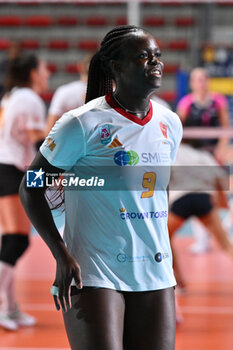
(203, 108)
(13, 52)
(69, 96)
(21, 126)
(193, 195)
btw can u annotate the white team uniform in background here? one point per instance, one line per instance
(67, 97)
(194, 171)
(22, 111)
(118, 235)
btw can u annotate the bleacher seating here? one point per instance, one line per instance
(96, 21)
(88, 44)
(64, 32)
(178, 45)
(184, 22)
(67, 21)
(38, 21)
(58, 44)
(154, 21)
(30, 44)
(10, 21)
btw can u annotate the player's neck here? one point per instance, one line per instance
(135, 106)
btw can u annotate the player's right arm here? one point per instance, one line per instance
(38, 211)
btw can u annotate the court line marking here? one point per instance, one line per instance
(219, 310)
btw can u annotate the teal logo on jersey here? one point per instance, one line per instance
(123, 158)
(104, 134)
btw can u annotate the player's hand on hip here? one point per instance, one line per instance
(67, 269)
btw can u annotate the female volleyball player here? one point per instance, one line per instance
(114, 278)
(204, 108)
(22, 122)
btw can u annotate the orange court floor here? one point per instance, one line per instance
(207, 306)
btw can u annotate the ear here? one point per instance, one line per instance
(33, 75)
(115, 66)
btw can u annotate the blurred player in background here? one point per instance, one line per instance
(203, 108)
(194, 195)
(22, 124)
(69, 96)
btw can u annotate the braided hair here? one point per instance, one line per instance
(100, 77)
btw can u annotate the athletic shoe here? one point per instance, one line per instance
(22, 319)
(7, 323)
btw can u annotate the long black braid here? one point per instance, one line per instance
(100, 78)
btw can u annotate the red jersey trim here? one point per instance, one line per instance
(128, 115)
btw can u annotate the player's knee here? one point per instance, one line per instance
(13, 246)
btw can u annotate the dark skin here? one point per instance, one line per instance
(105, 319)
(139, 73)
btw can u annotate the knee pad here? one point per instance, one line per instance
(13, 246)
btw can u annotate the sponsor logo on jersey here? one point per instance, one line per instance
(115, 143)
(160, 256)
(35, 178)
(163, 128)
(156, 157)
(123, 158)
(142, 215)
(123, 258)
(104, 134)
(51, 144)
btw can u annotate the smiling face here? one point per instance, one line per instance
(140, 67)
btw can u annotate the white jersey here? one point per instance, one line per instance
(118, 234)
(194, 171)
(22, 111)
(67, 97)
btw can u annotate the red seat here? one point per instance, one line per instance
(47, 96)
(67, 21)
(178, 45)
(4, 44)
(27, 3)
(168, 96)
(58, 44)
(171, 68)
(120, 21)
(10, 21)
(91, 45)
(161, 44)
(52, 67)
(72, 68)
(170, 3)
(96, 21)
(184, 22)
(30, 44)
(39, 21)
(154, 21)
